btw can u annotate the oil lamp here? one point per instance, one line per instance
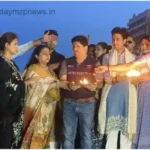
(84, 82)
(133, 73)
(133, 76)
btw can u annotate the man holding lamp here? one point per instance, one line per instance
(79, 99)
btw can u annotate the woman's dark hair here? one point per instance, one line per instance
(104, 45)
(109, 47)
(36, 51)
(146, 37)
(7, 37)
(130, 35)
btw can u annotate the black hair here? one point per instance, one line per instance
(146, 37)
(92, 46)
(103, 45)
(122, 31)
(36, 51)
(51, 32)
(130, 35)
(109, 47)
(80, 38)
(7, 37)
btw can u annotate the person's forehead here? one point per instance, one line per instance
(98, 46)
(45, 50)
(130, 38)
(77, 43)
(54, 36)
(15, 41)
(117, 35)
(145, 41)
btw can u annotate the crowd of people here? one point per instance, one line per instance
(84, 101)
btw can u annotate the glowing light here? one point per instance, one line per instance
(133, 73)
(84, 81)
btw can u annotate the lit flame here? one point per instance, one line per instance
(84, 81)
(133, 73)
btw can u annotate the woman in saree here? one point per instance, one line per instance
(12, 92)
(40, 100)
(142, 135)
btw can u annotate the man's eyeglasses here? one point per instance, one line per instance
(129, 42)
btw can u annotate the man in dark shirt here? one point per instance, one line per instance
(79, 102)
(56, 58)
